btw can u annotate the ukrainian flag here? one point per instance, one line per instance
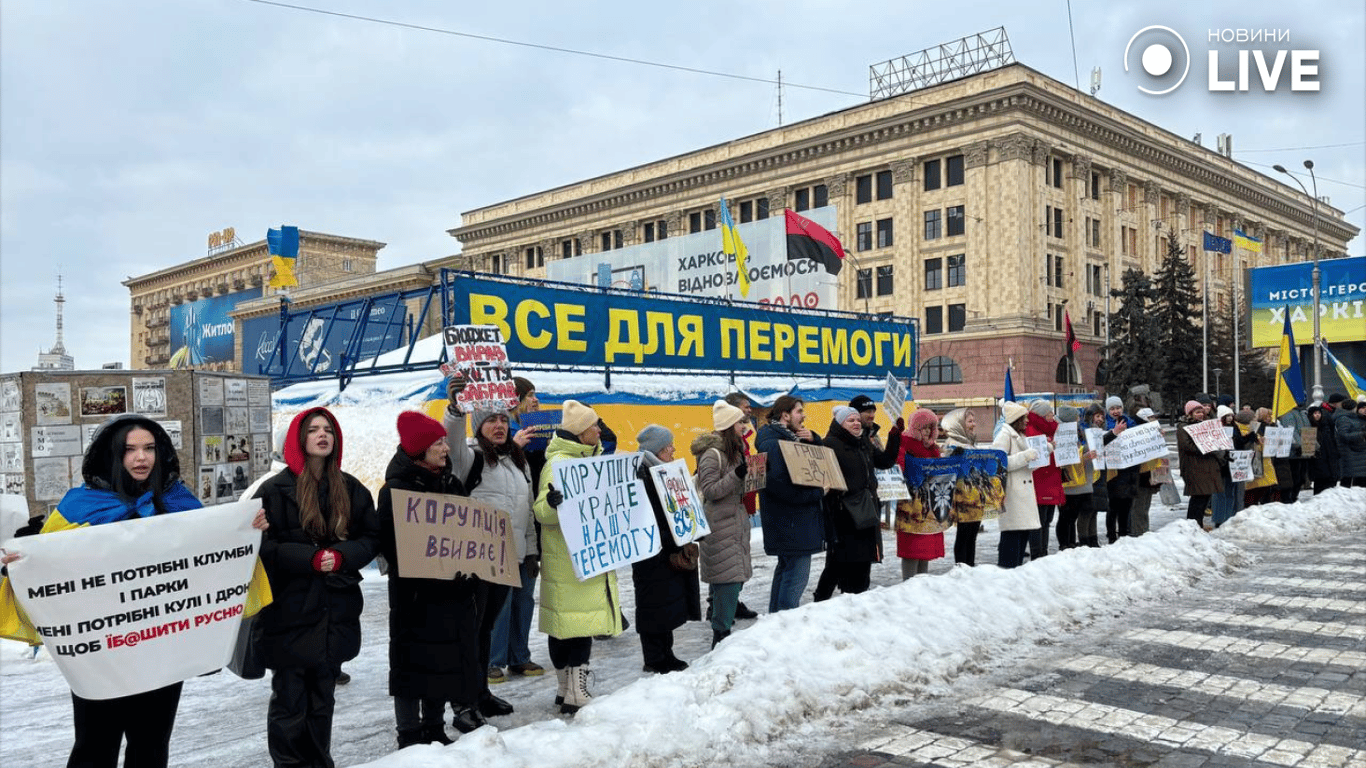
(283, 244)
(732, 245)
(1356, 386)
(1246, 242)
(1289, 393)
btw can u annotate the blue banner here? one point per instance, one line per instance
(560, 324)
(202, 332)
(1288, 290)
(316, 342)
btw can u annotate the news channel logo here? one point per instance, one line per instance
(1242, 60)
(1158, 58)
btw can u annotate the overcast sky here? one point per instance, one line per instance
(129, 131)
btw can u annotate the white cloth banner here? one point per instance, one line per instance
(1066, 445)
(682, 503)
(137, 605)
(605, 516)
(1240, 466)
(1136, 445)
(1209, 436)
(1277, 442)
(1040, 444)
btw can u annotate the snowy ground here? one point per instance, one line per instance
(782, 689)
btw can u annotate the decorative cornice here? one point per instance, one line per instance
(1015, 146)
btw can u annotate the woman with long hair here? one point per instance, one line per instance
(323, 530)
(721, 471)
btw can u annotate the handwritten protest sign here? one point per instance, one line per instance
(1277, 441)
(1040, 445)
(1163, 472)
(543, 425)
(478, 352)
(682, 503)
(963, 488)
(756, 479)
(605, 516)
(1209, 436)
(439, 536)
(1095, 441)
(1136, 445)
(1066, 444)
(1309, 441)
(891, 485)
(893, 398)
(133, 606)
(1240, 466)
(812, 465)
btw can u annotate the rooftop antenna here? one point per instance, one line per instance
(59, 348)
(1095, 80)
(780, 97)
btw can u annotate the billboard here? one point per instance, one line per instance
(579, 327)
(317, 338)
(202, 332)
(693, 265)
(1273, 291)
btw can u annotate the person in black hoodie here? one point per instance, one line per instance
(433, 625)
(323, 530)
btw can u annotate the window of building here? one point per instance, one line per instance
(958, 270)
(864, 284)
(932, 180)
(1094, 227)
(934, 274)
(884, 233)
(802, 199)
(1057, 172)
(958, 317)
(1057, 271)
(346, 265)
(647, 232)
(746, 211)
(1057, 223)
(956, 220)
(884, 280)
(884, 185)
(695, 222)
(863, 240)
(863, 189)
(953, 170)
(1067, 371)
(933, 224)
(1095, 324)
(821, 196)
(1057, 317)
(940, 370)
(1095, 185)
(934, 320)
(709, 219)
(761, 208)
(498, 264)
(535, 257)
(606, 241)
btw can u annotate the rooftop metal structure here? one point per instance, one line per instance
(939, 64)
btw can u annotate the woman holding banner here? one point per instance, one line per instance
(916, 550)
(323, 530)
(433, 624)
(1021, 513)
(131, 471)
(721, 472)
(573, 612)
(1199, 471)
(960, 434)
(667, 596)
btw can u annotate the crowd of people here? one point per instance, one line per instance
(451, 640)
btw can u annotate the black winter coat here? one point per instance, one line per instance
(314, 621)
(1327, 461)
(666, 598)
(433, 624)
(857, 459)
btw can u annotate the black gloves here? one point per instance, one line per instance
(741, 470)
(553, 497)
(894, 434)
(533, 566)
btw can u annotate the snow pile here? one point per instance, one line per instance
(1343, 509)
(846, 654)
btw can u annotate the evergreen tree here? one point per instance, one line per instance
(1257, 366)
(1130, 357)
(1177, 315)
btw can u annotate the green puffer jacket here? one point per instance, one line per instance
(569, 607)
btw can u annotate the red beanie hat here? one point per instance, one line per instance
(417, 432)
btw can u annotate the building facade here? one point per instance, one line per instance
(987, 207)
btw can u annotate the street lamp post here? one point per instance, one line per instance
(1217, 371)
(1317, 396)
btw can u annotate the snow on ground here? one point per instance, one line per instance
(779, 682)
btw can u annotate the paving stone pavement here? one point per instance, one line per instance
(1267, 668)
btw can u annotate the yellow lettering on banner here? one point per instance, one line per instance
(659, 325)
(730, 326)
(758, 341)
(690, 336)
(616, 320)
(490, 310)
(880, 339)
(901, 351)
(808, 344)
(783, 337)
(532, 340)
(566, 326)
(834, 346)
(864, 356)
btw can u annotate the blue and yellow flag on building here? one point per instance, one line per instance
(1355, 384)
(283, 244)
(1289, 392)
(1246, 242)
(732, 245)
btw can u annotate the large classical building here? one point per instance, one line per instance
(987, 207)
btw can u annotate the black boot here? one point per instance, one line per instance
(492, 706)
(409, 737)
(435, 733)
(743, 611)
(467, 719)
(717, 636)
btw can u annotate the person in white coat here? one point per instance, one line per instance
(1021, 514)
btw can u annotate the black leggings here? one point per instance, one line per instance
(965, 543)
(145, 719)
(1195, 510)
(569, 652)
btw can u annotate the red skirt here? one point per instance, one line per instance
(920, 546)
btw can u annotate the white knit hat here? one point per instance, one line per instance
(577, 417)
(724, 415)
(1013, 412)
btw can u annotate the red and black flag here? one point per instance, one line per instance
(1072, 344)
(808, 240)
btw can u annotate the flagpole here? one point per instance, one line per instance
(1237, 344)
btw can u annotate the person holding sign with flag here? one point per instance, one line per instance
(323, 530)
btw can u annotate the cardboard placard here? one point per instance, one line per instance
(756, 479)
(439, 536)
(812, 465)
(1209, 436)
(605, 516)
(1309, 441)
(478, 352)
(682, 503)
(893, 398)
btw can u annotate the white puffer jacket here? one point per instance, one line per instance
(503, 485)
